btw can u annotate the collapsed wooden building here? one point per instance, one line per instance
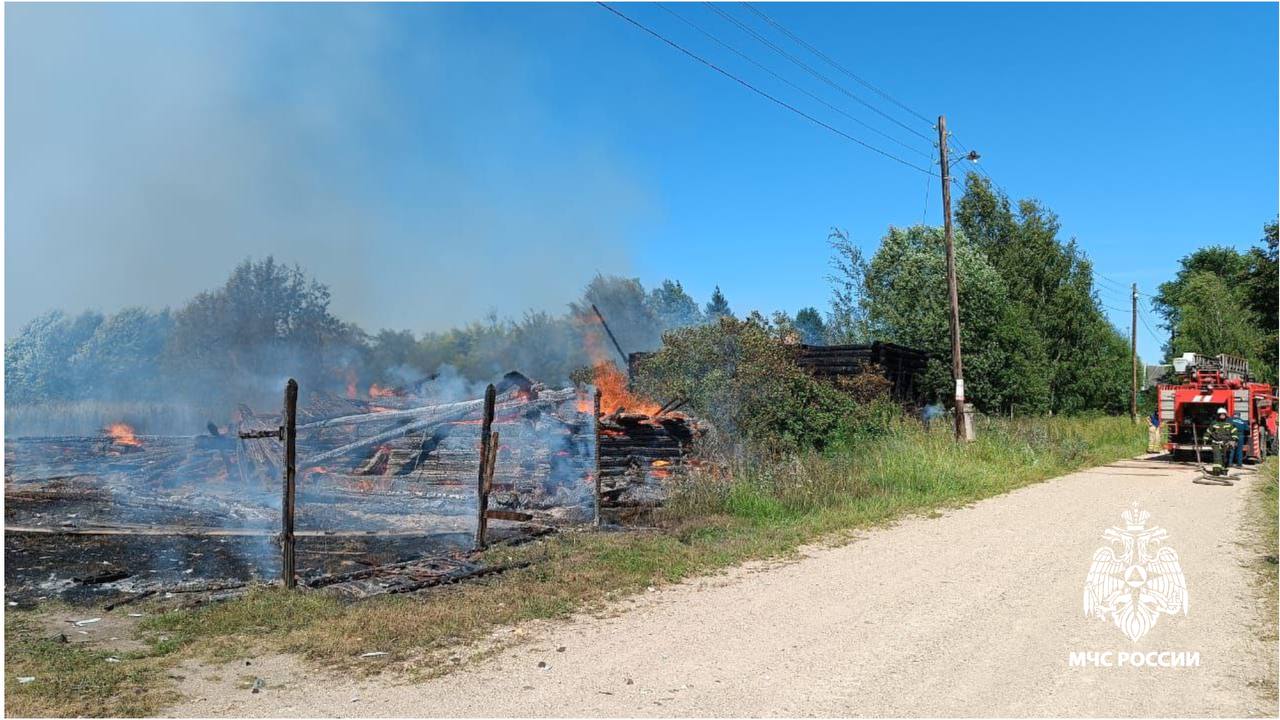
(898, 364)
(384, 480)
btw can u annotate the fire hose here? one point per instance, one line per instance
(1205, 478)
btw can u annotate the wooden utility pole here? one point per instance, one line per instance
(957, 367)
(1133, 347)
(487, 458)
(288, 436)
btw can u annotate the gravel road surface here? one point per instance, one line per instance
(974, 613)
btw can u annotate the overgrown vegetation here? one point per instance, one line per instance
(714, 521)
(741, 374)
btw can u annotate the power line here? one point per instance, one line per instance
(760, 92)
(790, 84)
(865, 83)
(1143, 318)
(817, 74)
(924, 216)
(835, 64)
(1126, 289)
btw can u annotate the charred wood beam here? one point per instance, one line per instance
(616, 345)
(595, 428)
(487, 457)
(511, 515)
(289, 435)
(459, 411)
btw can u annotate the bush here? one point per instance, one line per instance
(739, 375)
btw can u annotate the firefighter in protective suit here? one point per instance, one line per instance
(1222, 435)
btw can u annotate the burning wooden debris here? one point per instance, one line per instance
(641, 445)
(390, 471)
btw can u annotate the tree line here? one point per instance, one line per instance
(1035, 337)
(1223, 301)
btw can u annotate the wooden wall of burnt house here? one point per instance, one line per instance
(639, 454)
(900, 365)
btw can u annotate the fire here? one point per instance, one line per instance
(122, 434)
(614, 394)
(379, 391)
(351, 384)
(660, 463)
(612, 382)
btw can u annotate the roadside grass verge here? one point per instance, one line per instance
(713, 521)
(1267, 504)
(73, 680)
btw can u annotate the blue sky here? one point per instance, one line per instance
(433, 162)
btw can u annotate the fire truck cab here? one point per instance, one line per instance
(1187, 409)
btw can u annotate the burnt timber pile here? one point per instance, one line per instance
(639, 454)
(380, 482)
(898, 364)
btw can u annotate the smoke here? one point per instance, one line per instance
(408, 165)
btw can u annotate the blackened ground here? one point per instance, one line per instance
(71, 567)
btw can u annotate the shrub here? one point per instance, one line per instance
(741, 377)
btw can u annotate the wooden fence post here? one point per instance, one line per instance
(487, 458)
(595, 427)
(288, 432)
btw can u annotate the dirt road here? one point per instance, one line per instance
(972, 613)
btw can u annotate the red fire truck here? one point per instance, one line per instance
(1187, 409)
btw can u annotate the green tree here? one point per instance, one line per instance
(1215, 319)
(122, 359)
(847, 321)
(905, 299)
(1069, 356)
(1219, 260)
(718, 306)
(267, 322)
(673, 307)
(37, 361)
(1245, 289)
(808, 322)
(625, 307)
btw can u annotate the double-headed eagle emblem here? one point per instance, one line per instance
(1136, 578)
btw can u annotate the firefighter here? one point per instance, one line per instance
(1222, 435)
(1242, 430)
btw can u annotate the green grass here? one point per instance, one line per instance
(713, 521)
(74, 680)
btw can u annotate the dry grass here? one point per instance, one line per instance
(761, 511)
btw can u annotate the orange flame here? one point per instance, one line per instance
(122, 434)
(380, 391)
(612, 383)
(614, 394)
(351, 384)
(660, 463)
